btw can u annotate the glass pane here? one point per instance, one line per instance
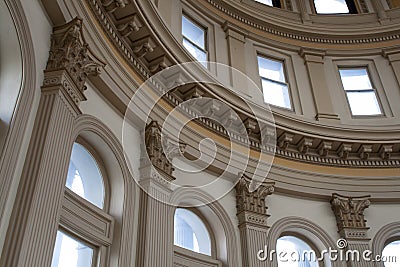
(68, 252)
(197, 53)
(331, 6)
(391, 252)
(84, 177)
(276, 94)
(363, 103)
(193, 32)
(265, 2)
(190, 232)
(355, 79)
(271, 69)
(295, 253)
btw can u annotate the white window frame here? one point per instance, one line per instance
(285, 73)
(356, 4)
(374, 89)
(202, 27)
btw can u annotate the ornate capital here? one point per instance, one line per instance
(155, 152)
(349, 213)
(70, 52)
(250, 203)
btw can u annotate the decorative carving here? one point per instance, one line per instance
(128, 25)
(386, 151)
(70, 52)
(248, 200)
(324, 148)
(143, 46)
(285, 140)
(155, 151)
(365, 151)
(349, 211)
(112, 5)
(305, 144)
(344, 150)
(159, 64)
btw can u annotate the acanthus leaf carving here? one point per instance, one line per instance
(70, 52)
(349, 211)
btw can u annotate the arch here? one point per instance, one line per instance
(18, 125)
(306, 229)
(122, 186)
(381, 238)
(221, 225)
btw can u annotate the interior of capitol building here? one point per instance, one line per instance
(200, 133)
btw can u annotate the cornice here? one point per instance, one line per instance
(300, 32)
(333, 148)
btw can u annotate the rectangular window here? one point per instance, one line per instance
(359, 91)
(274, 3)
(194, 40)
(273, 81)
(69, 252)
(335, 7)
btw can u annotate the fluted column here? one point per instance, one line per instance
(155, 245)
(314, 60)
(32, 232)
(305, 16)
(393, 55)
(349, 213)
(252, 216)
(380, 11)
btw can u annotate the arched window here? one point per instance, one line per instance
(84, 177)
(295, 252)
(391, 254)
(190, 232)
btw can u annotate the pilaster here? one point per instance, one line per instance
(252, 216)
(393, 55)
(34, 222)
(349, 213)
(156, 221)
(314, 60)
(236, 39)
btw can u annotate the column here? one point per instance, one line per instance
(393, 55)
(252, 216)
(349, 213)
(236, 39)
(32, 232)
(380, 11)
(314, 60)
(155, 244)
(302, 6)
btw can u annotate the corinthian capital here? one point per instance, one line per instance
(71, 53)
(349, 213)
(250, 200)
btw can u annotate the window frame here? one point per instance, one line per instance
(285, 73)
(373, 89)
(208, 228)
(206, 41)
(275, 3)
(352, 5)
(76, 212)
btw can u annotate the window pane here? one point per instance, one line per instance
(293, 246)
(392, 254)
(199, 54)
(355, 79)
(84, 177)
(276, 94)
(363, 103)
(193, 32)
(266, 2)
(271, 69)
(331, 6)
(190, 232)
(68, 252)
